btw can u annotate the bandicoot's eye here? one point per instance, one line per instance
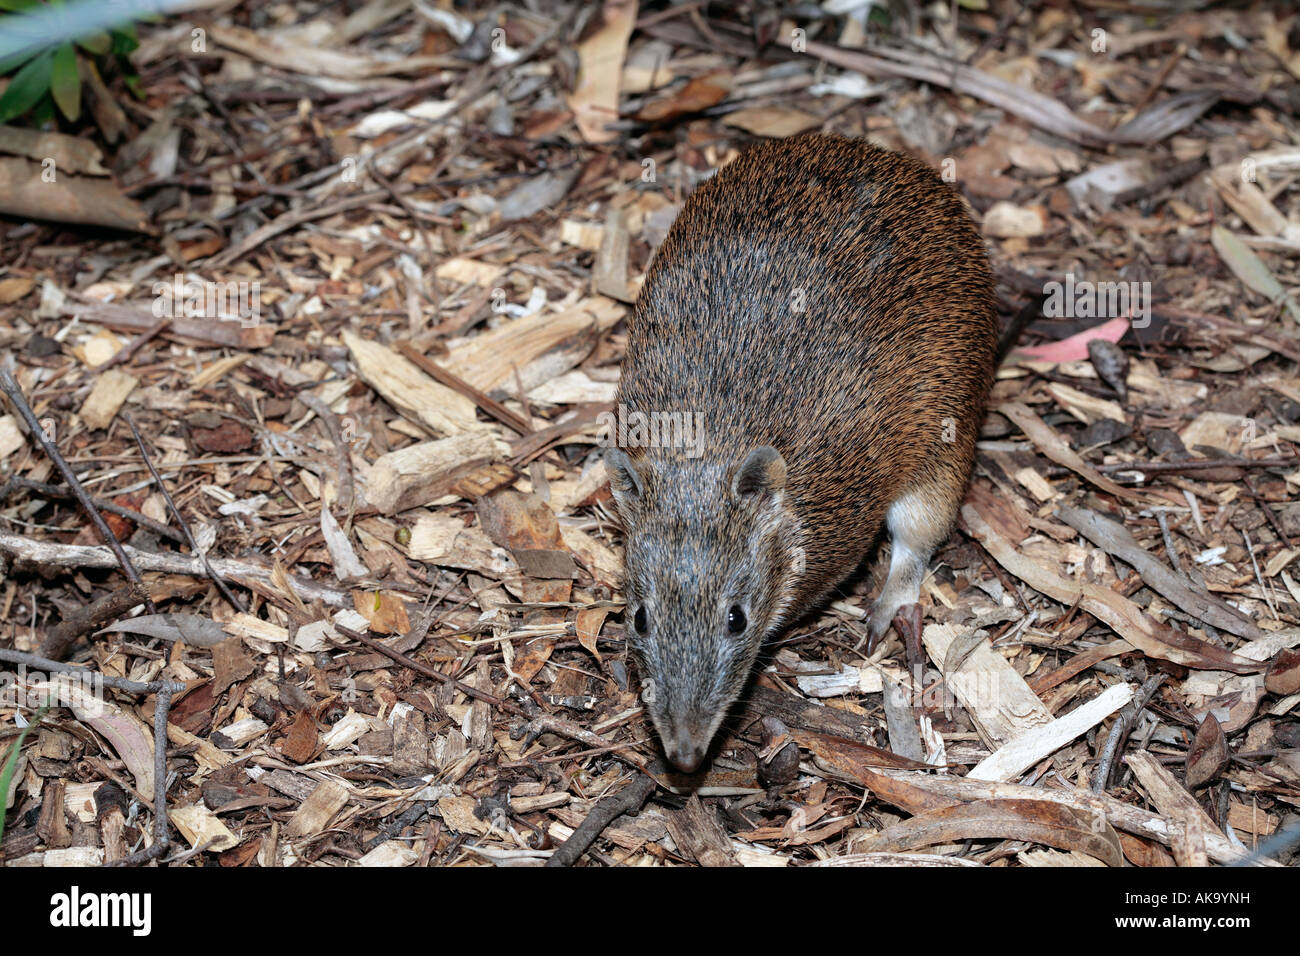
(736, 620)
(639, 620)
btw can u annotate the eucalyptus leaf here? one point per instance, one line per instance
(1250, 269)
(193, 629)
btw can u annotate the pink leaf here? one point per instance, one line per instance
(1075, 348)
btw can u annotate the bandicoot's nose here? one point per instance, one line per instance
(686, 750)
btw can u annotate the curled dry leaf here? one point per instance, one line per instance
(1035, 821)
(525, 525)
(89, 200)
(384, 611)
(778, 757)
(587, 624)
(699, 94)
(1208, 754)
(1111, 363)
(1283, 676)
(849, 756)
(127, 734)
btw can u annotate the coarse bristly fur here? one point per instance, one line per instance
(826, 309)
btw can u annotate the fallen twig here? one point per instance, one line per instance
(428, 671)
(91, 617)
(628, 800)
(1117, 541)
(164, 690)
(237, 604)
(549, 723)
(58, 491)
(10, 388)
(505, 416)
(95, 556)
(1200, 464)
(1120, 730)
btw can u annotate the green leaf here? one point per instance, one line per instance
(28, 85)
(65, 82)
(14, 6)
(10, 63)
(124, 40)
(97, 43)
(11, 762)
(43, 113)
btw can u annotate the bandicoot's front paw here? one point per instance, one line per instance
(906, 619)
(877, 624)
(879, 621)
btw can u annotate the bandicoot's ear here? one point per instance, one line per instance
(624, 480)
(760, 474)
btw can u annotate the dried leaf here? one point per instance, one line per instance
(1141, 630)
(194, 629)
(1208, 754)
(1283, 676)
(775, 121)
(587, 624)
(300, 744)
(850, 757)
(1250, 269)
(1035, 821)
(594, 100)
(229, 664)
(1054, 447)
(384, 611)
(698, 94)
(1117, 541)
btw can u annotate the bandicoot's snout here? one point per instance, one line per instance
(686, 743)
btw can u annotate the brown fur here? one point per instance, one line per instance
(874, 390)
